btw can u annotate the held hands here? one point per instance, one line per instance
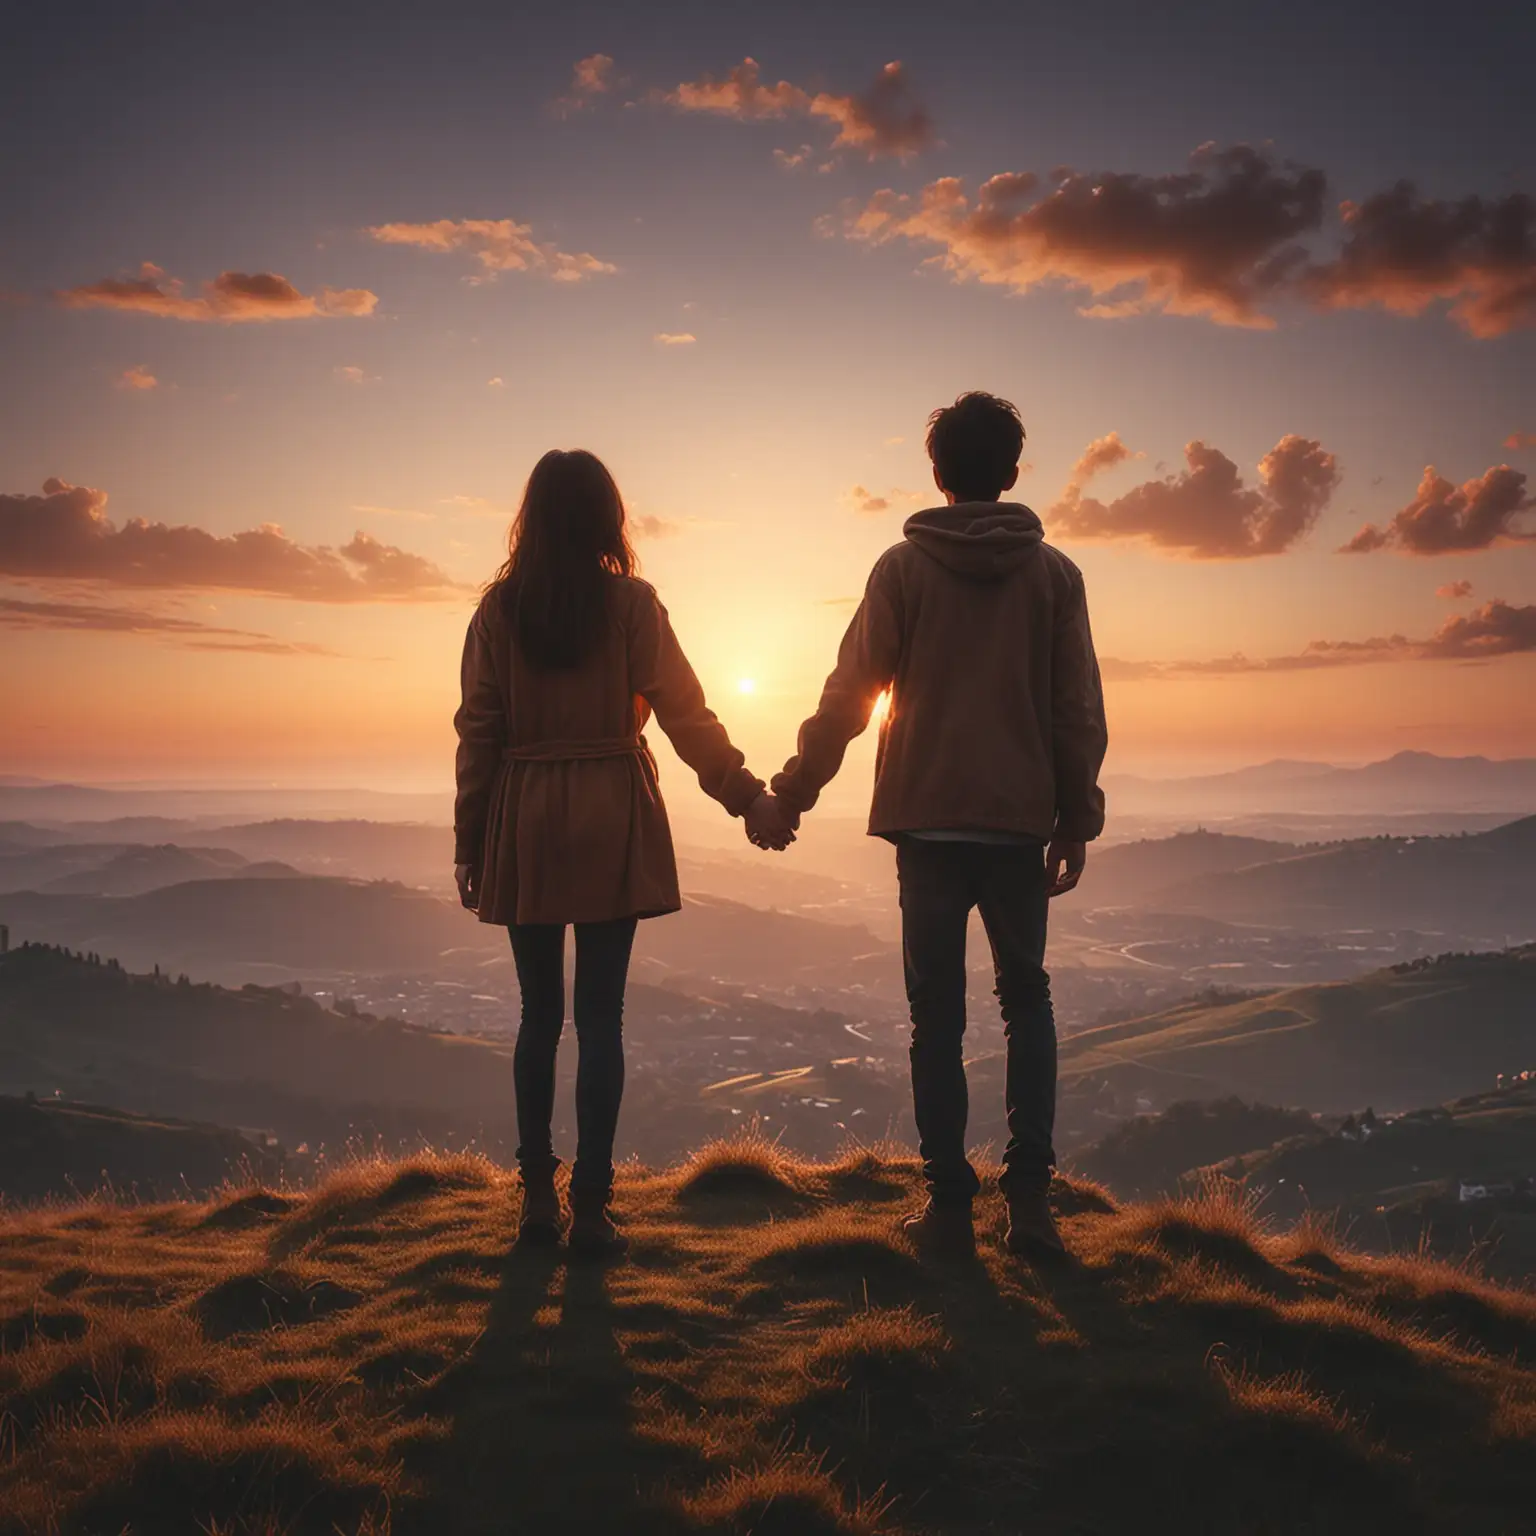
(769, 823)
(1064, 862)
(467, 878)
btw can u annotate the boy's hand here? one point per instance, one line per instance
(467, 878)
(1064, 863)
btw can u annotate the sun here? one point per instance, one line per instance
(746, 685)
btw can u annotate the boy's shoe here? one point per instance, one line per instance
(942, 1231)
(593, 1233)
(542, 1221)
(1032, 1233)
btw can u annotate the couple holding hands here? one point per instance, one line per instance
(986, 781)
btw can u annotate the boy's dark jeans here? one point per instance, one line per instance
(602, 968)
(940, 883)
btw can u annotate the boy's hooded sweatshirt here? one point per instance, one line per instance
(979, 629)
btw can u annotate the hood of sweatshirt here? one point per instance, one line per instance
(979, 540)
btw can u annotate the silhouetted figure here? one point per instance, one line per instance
(986, 781)
(559, 818)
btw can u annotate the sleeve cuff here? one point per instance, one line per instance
(744, 789)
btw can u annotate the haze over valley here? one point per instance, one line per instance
(315, 982)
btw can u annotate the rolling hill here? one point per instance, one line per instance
(257, 1057)
(53, 1148)
(1482, 884)
(304, 921)
(1136, 874)
(245, 928)
(272, 1059)
(773, 1360)
(1416, 1034)
(1147, 1155)
(123, 869)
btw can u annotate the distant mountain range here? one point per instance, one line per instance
(24, 800)
(1409, 781)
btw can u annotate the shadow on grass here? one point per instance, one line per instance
(540, 1423)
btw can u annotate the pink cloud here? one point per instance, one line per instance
(137, 378)
(231, 298)
(1206, 512)
(65, 535)
(1405, 253)
(647, 525)
(1216, 240)
(1445, 519)
(1496, 628)
(861, 499)
(1102, 453)
(884, 119)
(188, 633)
(591, 77)
(499, 245)
(1223, 240)
(1454, 591)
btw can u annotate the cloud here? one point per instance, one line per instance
(859, 498)
(137, 378)
(1216, 240)
(1518, 440)
(1405, 253)
(675, 338)
(646, 525)
(499, 245)
(475, 506)
(65, 535)
(1206, 512)
(231, 298)
(1102, 453)
(591, 77)
(1445, 519)
(1495, 628)
(351, 374)
(16, 613)
(1454, 590)
(496, 383)
(1223, 240)
(792, 159)
(884, 119)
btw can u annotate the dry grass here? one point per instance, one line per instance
(375, 1357)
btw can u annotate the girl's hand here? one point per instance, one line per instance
(467, 878)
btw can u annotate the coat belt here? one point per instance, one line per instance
(576, 751)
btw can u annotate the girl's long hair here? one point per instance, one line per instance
(567, 542)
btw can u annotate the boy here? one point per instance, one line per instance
(987, 782)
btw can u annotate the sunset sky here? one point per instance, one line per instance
(291, 299)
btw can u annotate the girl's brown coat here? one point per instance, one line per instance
(558, 809)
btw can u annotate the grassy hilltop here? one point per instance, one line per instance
(373, 1357)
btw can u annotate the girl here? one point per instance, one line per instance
(559, 817)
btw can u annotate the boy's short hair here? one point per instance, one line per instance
(975, 445)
